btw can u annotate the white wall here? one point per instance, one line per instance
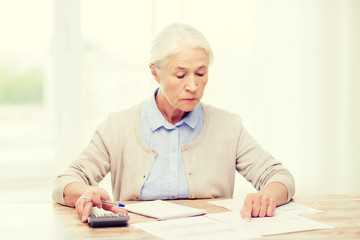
(307, 58)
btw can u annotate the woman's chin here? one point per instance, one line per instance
(188, 107)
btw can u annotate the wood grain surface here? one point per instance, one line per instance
(53, 221)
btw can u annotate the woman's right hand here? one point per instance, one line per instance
(83, 206)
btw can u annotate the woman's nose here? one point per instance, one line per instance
(191, 84)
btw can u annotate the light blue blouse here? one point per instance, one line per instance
(167, 178)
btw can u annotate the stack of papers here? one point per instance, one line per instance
(226, 225)
(163, 210)
(285, 220)
(193, 228)
(287, 209)
(268, 225)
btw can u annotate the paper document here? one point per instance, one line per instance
(289, 208)
(224, 225)
(295, 209)
(194, 228)
(163, 210)
(269, 225)
(231, 204)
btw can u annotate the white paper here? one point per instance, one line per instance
(285, 219)
(229, 225)
(295, 209)
(163, 210)
(194, 228)
(289, 208)
(281, 223)
(231, 204)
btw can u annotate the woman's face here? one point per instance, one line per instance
(183, 78)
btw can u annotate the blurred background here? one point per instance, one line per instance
(289, 68)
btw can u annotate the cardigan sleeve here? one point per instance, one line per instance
(259, 167)
(91, 166)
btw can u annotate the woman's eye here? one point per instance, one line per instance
(200, 74)
(181, 76)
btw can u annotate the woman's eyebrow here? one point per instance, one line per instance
(201, 67)
(180, 68)
(184, 69)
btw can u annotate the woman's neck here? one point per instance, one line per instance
(169, 112)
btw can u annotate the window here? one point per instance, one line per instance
(26, 138)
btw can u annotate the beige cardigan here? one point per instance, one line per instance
(210, 161)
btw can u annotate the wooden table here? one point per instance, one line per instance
(53, 221)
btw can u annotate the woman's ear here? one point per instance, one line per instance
(154, 72)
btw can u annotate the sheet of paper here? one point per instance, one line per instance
(289, 208)
(295, 209)
(282, 223)
(231, 204)
(163, 210)
(194, 228)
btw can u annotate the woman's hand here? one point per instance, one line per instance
(83, 207)
(77, 191)
(264, 202)
(258, 205)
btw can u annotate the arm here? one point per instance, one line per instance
(90, 167)
(82, 177)
(275, 183)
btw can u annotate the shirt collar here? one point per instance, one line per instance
(193, 117)
(157, 120)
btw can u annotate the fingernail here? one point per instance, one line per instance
(247, 219)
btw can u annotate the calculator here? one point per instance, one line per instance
(102, 218)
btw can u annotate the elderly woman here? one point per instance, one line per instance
(173, 146)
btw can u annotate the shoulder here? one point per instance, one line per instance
(220, 116)
(221, 128)
(127, 114)
(121, 119)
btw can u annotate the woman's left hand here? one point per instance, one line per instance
(258, 204)
(264, 202)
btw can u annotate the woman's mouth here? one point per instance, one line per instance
(190, 99)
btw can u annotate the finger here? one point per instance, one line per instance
(96, 199)
(86, 211)
(271, 208)
(79, 205)
(256, 205)
(264, 207)
(247, 208)
(114, 209)
(76, 207)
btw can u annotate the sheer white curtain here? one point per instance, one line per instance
(290, 69)
(67, 84)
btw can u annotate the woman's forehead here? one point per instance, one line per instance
(189, 57)
(201, 67)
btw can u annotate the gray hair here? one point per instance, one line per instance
(170, 40)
